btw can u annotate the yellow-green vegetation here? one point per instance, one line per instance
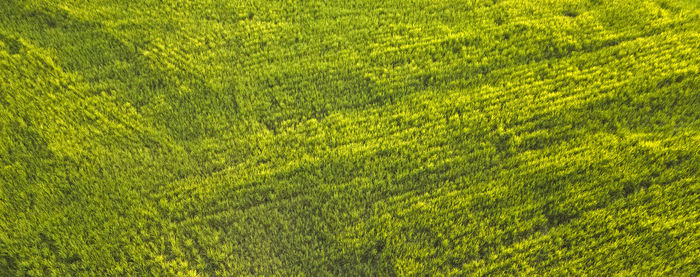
(349, 137)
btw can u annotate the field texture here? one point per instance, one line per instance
(349, 138)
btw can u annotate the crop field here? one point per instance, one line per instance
(349, 138)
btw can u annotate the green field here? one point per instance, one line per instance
(349, 138)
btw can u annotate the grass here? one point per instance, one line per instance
(210, 138)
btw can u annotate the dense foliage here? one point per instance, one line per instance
(351, 137)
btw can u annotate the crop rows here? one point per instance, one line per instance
(349, 138)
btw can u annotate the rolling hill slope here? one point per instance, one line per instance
(351, 138)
